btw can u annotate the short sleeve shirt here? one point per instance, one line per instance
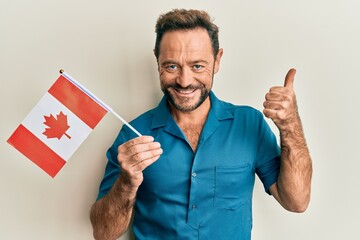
(205, 194)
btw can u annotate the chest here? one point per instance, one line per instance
(192, 133)
(215, 176)
(179, 165)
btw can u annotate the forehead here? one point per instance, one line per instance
(186, 41)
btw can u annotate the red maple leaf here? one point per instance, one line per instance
(57, 127)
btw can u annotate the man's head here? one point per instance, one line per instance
(188, 56)
(181, 19)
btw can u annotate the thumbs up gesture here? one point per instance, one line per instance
(280, 104)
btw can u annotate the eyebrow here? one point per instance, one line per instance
(170, 62)
(199, 61)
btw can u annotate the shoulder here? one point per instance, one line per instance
(225, 109)
(240, 111)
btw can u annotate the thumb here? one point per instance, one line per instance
(289, 79)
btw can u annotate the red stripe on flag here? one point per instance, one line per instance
(34, 149)
(77, 101)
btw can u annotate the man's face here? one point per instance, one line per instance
(186, 67)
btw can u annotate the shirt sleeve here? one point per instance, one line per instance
(112, 169)
(268, 156)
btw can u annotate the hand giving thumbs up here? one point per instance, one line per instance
(280, 103)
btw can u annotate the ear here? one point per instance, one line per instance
(217, 60)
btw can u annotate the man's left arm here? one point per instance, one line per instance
(292, 189)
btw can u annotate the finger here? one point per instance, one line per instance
(142, 156)
(289, 79)
(144, 164)
(271, 113)
(268, 112)
(142, 147)
(273, 105)
(275, 96)
(280, 89)
(138, 140)
(128, 162)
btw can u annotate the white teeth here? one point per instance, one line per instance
(185, 91)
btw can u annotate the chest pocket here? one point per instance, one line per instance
(233, 186)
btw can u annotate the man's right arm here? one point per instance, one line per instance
(110, 216)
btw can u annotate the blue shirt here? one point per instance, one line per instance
(206, 194)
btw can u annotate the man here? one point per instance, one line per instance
(198, 183)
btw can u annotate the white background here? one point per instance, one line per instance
(107, 46)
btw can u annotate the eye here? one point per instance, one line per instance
(171, 67)
(197, 67)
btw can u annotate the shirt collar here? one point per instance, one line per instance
(162, 115)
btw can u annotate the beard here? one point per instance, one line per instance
(183, 104)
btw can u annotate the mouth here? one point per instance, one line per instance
(185, 92)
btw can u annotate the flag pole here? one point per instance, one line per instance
(96, 99)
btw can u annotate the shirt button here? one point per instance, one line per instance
(193, 206)
(193, 174)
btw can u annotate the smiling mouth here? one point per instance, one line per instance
(185, 91)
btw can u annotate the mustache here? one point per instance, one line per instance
(179, 87)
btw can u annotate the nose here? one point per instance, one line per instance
(185, 78)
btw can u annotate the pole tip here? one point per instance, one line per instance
(61, 71)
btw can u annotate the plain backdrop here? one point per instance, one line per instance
(107, 46)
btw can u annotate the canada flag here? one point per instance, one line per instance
(57, 125)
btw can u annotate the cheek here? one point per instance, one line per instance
(167, 76)
(161, 72)
(209, 72)
(205, 76)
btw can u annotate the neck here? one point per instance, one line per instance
(192, 123)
